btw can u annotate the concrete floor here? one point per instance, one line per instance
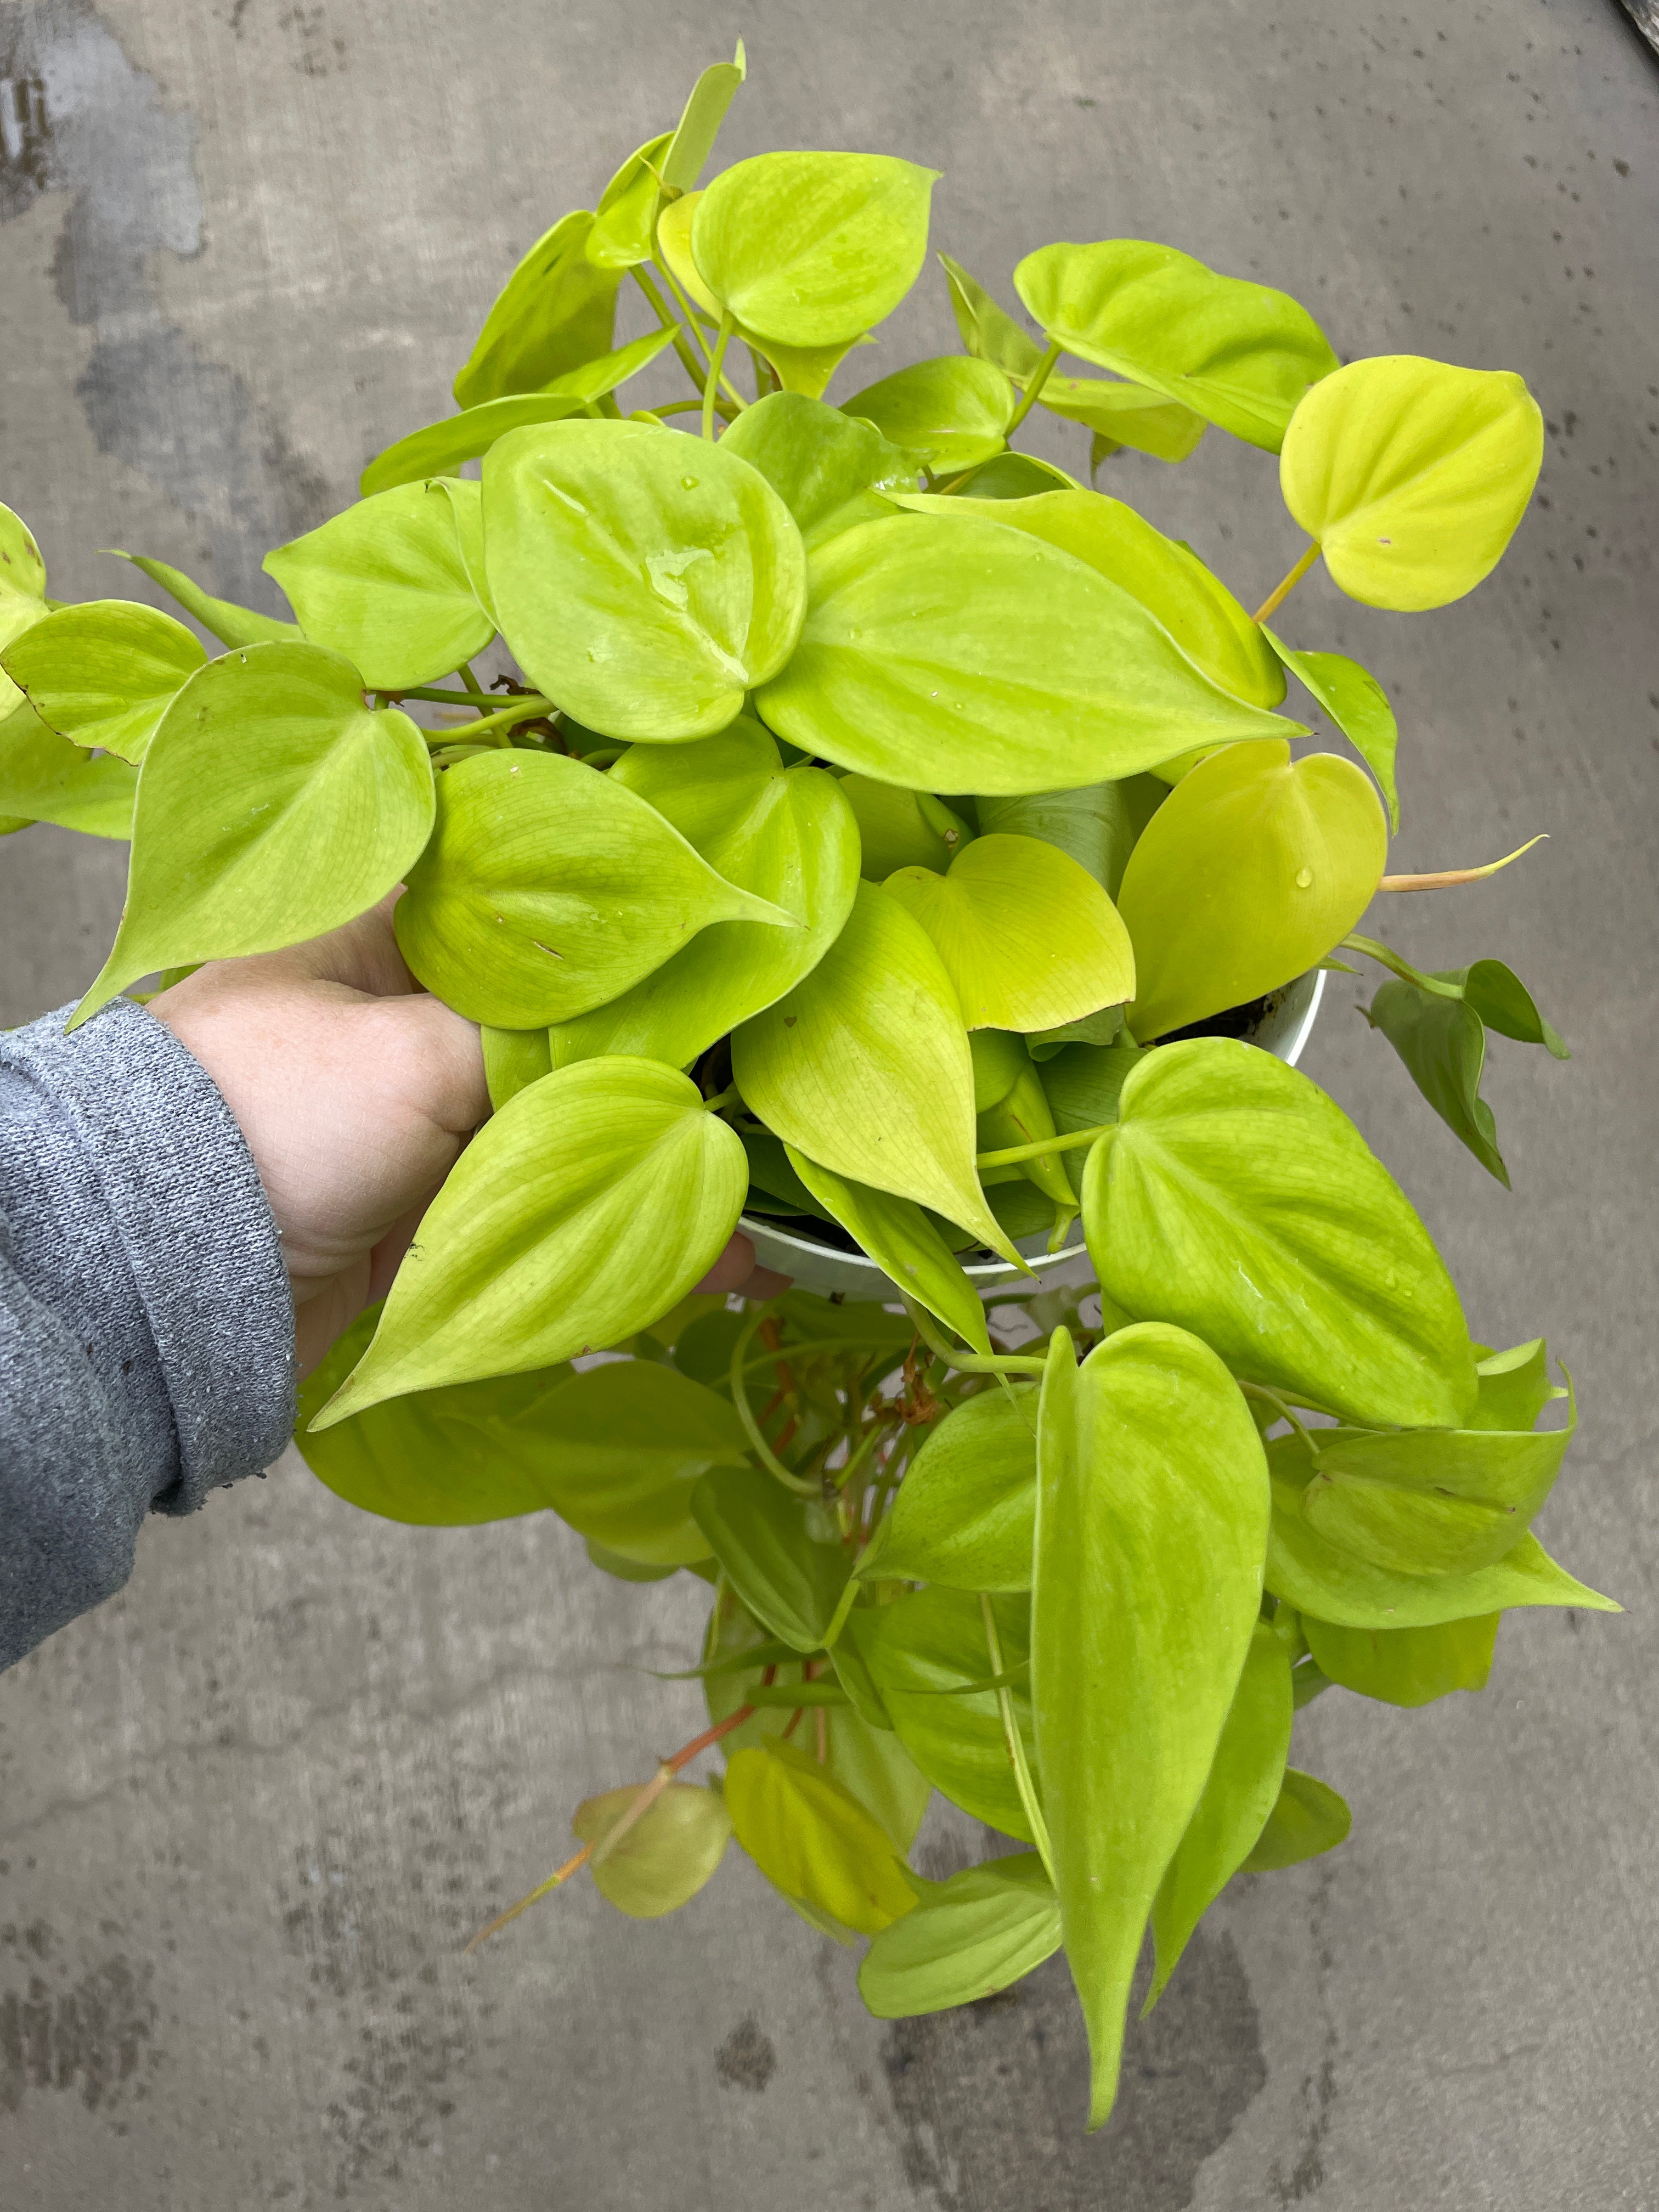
(249, 1812)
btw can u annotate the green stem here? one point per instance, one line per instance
(1039, 377)
(689, 315)
(1277, 596)
(757, 1443)
(475, 690)
(1285, 1412)
(970, 1362)
(494, 725)
(1022, 1781)
(1386, 957)
(727, 1097)
(670, 322)
(1011, 1155)
(723, 339)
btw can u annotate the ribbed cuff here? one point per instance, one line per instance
(193, 1221)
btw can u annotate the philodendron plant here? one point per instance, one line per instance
(879, 831)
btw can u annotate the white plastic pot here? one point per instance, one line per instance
(1283, 1031)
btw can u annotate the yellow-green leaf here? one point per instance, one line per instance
(1309, 1819)
(864, 1068)
(786, 836)
(587, 1206)
(812, 1838)
(1151, 1526)
(951, 413)
(103, 674)
(388, 583)
(943, 651)
(1240, 355)
(1247, 876)
(273, 806)
(1412, 476)
(967, 1938)
(645, 580)
(1234, 1198)
(44, 778)
(899, 1237)
(663, 1859)
(1028, 938)
(548, 888)
(1406, 1666)
(555, 311)
(813, 249)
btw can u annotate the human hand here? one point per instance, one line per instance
(355, 1090)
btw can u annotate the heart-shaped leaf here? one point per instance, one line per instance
(1235, 1199)
(615, 1451)
(966, 1510)
(813, 249)
(664, 1857)
(513, 1058)
(1436, 1502)
(951, 413)
(988, 331)
(812, 1840)
(1360, 706)
(1028, 937)
(826, 469)
(22, 593)
(588, 1206)
(644, 580)
(1017, 476)
(626, 218)
(1406, 1666)
(548, 888)
(900, 1239)
(1151, 1480)
(440, 447)
(700, 122)
(944, 650)
(1097, 824)
(803, 371)
(930, 1661)
(968, 1938)
(223, 618)
(273, 806)
(44, 778)
(557, 310)
(1123, 415)
(1238, 354)
(785, 835)
(900, 828)
(103, 674)
(1437, 1023)
(864, 1068)
(1443, 1043)
(758, 1534)
(1308, 1819)
(1339, 1587)
(1251, 872)
(388, 583)
(1238, 1799)
(1169, 579)
(1412, 476)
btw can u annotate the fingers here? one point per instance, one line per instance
(735, 1265)
(447, 1059)
(363, 955)
(735, 1270)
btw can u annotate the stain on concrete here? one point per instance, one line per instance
(76, 117)
(91, 2033)
(746, 2059)
(990, 2098)
(1306, 2174)
(376, 1997)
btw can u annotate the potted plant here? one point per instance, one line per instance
(882, 837)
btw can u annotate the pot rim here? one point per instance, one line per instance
(1284, 1031)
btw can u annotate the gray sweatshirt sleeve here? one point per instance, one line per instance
(146, 1331)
